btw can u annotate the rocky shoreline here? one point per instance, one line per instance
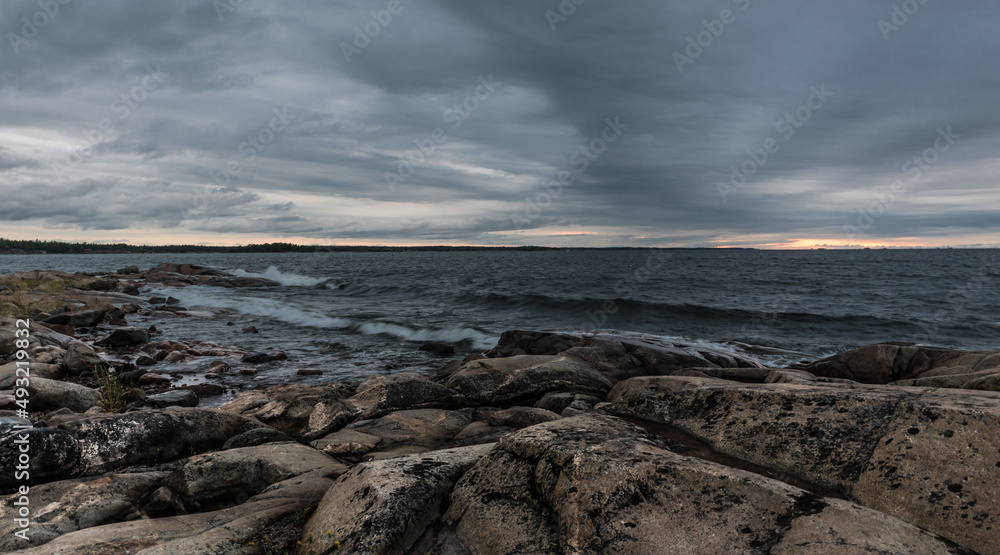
(548, 443)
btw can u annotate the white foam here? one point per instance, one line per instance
(266, 308)
(274, 274)
(448, 335)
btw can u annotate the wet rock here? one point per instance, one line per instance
(268, 356)
(443, 349)
(128, 270)
(522, 417)
(389, 506)
(126, 337)
(525, 378)
(206, 389)
(157, 300)
(309, 372)
(129, 308)
(145, 360)
(78, 319)
(173, 398)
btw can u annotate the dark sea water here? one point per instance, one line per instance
(354, 314)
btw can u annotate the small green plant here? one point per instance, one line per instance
(112, 390)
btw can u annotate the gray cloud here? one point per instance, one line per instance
(202, 151)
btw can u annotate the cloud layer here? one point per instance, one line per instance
(572, 122)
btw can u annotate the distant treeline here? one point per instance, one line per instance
(9, 246)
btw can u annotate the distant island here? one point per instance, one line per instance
(9, 246)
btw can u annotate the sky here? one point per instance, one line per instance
(587, 123)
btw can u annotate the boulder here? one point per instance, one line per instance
(80, 358)
(596, 484)
(524, 378)
(403, 432)
(234, 530)
(9, 372)
(78, 319)
(226, 478)
(127, 337)
(173, 398)
(70, 505)
(891, 362)
(925, 456)
(288, 407)
(380, 395)
(389, 506)
(45, 394)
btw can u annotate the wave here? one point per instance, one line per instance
(448, 335)
(291, 280)
(300, 316)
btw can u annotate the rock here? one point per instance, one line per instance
(128, 289)
(127, 337)
(172, 300)
(256, 358)
(889, 362)
(380, 395)
(402, 432)
(907, 452)
(389, 506)
(256, 436)
(248, 371)
(11, 423)
(217, 363)
(560, 401)
(153, 379)
(129, 308)
(595, 484)
(70, 505)
(53, 394)
(223, 531)
(309, 372)
(206, 389)
(79, 319)
(104, 443)
(443, 349)
(177, 357)
(287, 407)
(157, 300)
(80, 358)
(225, 478)
(9, 372)
(145, 360)
(173, 398)
(522, 417)
(68, 331)
(128, 270)
(521, 342)
(249, 329)
(524, 378)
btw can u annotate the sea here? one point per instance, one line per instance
(355, 314)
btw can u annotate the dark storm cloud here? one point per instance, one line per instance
(214, 116)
